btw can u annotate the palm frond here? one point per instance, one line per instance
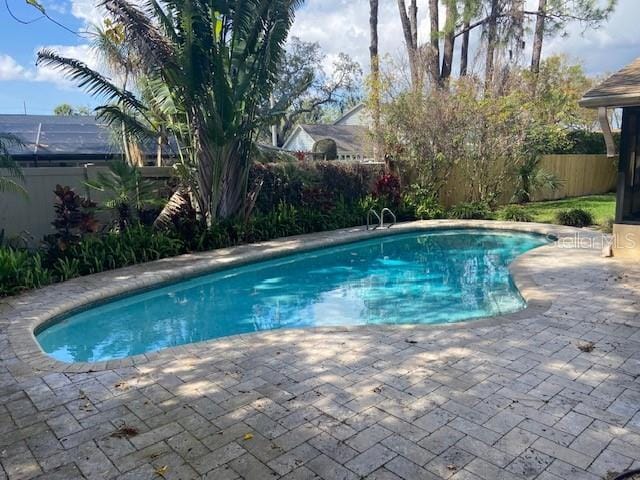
(9, 180)
(546, 180)
(112, 53)
(142, 34)
(89, 80)
(165, 21)
(114, 115)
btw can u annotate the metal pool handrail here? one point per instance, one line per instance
(371, 210)
(380, 218)
(393, 215)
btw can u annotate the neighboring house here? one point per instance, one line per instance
(622, 90)
(358, 115)
(61, 140)
(349, 132)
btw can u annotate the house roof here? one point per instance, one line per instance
(59, 135)
(62, 136)
(349, 113)
(348, 138)
(622, 89)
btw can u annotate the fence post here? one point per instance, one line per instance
(88, 170)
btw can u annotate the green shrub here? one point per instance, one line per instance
(21, 270)
(66, 268)
(351, 182)
(515, 213)
(291, 183)
(287, 220)
(283, 221)
(469, 211)
(587, 142)
(420, 203)
(575, 217)
(137, 244)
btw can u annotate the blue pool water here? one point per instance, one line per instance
(440, 276)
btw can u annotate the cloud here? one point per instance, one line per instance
(343, 26)
(83, 53)
(10, 69)
(607, 49)
(87, 11)
(59, 7)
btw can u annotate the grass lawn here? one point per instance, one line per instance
(601, 206)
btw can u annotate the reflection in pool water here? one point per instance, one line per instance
(440, 276)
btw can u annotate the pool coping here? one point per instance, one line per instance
(26, 313)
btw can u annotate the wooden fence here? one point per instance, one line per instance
(581, 175)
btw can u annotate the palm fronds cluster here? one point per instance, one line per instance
(207, 66)
(10, 173)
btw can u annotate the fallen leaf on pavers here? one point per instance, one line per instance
(247, 436)
(125, 431)
(407, 340)
(161, 471)
(378, 389)
(586, 347)
(122, 385)
(452, 467)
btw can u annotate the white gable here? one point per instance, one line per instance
(299, 141)
(356, 116)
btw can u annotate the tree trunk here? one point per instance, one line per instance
(159, 142)
(434, 43)
(517, 15)
(375, 78)
(276, 125)
(449, 40)
(410, 30)
(231, 192)
(176, 205)
(413, 22)
(464, 50)
(492, 39)
(123, 129)
(206, 171)
(538, 36)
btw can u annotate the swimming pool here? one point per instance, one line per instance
(427, 277)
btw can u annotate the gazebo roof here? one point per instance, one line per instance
(622, 89)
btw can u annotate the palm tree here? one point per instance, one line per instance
(210, 66)
(121, 62)
(10, 172)
(126, 192)
(375, 77)
(531, 178)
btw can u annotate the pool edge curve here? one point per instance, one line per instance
(37, 309)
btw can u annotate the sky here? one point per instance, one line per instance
(337, 25)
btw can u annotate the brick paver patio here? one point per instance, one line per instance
(517, 398)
